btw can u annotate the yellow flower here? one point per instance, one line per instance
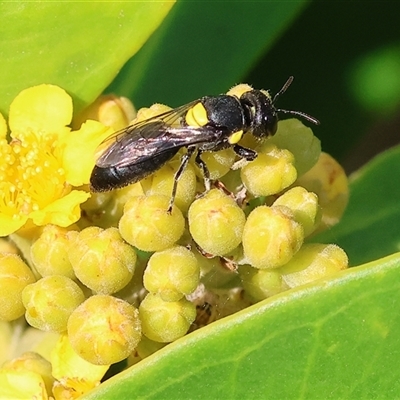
(44, 160)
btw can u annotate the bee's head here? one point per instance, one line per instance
(261, 113)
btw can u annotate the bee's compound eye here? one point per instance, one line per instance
(271, 123)
(267, 127)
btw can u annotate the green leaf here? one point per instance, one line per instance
(79, 46)
(370, 227)
(337, 338)
(203, 48)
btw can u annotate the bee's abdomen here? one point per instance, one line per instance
(109, 178)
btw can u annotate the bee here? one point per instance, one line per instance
(210, 123)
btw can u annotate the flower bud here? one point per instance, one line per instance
(162, 181)
(49, 253)
(216, 223)
(102, 260)
(22, 384)
(15, 275)
(147, 224)
(304, 206)
(271, 237)
(104, 330)
(50, 301)
(32, 362)
(272, 171)
(313, 261)
(172, 273)
(219, 163)
(165, 321)
(261, 283)
(110, 110)
(329, 181)
(299, 139)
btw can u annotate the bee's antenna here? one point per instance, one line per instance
(299, 113)
(284, 88)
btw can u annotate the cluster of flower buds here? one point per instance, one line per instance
(129, 276)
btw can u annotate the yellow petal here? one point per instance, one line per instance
(79, 151)
(69, 368)
(17, 385)
(63, 211)
(41, 109)
(10, 224)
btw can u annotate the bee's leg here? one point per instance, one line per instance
(206, 173)
(184, 162)
(245, 153)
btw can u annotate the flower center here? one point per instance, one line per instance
(31, 175)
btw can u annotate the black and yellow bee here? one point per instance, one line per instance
(210, 123)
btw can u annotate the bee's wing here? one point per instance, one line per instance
(139, 142)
